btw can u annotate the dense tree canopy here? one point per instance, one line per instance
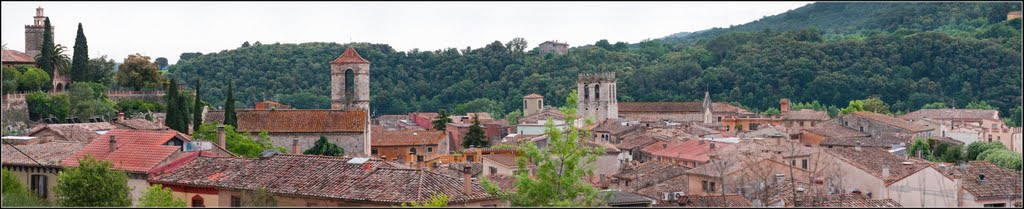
(93, 183)
(138, 72)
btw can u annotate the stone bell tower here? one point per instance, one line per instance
(34, 33)
(350, 82)
(596, 96)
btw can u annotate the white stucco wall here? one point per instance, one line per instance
(927, 188)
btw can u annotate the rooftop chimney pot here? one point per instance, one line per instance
(113, 143)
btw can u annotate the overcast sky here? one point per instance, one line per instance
(166, 29)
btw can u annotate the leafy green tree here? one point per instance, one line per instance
(34, 79)
(80, 59)
(480, 105)
(1002, 157)
(979, 105)
(100, 70)
(137, 71)
(771, 111)
(475, 136)
(88, 102)
(135, 107)
(323, 147)
(230, 117)
(876, 105)
(560, 170)
(16, 195)
(242, 144)
(161, 62)
(246, 44)
(92, 184)
(42, 105)
(10, 79)
(197, 110)
(855, 106)
(976, 148)
(1016, 116)
(922, 146)
(173, 118)
(158, 196)
(305, 100)
(513, 117)
(937, 105)
(441, 120)
(435, 201)
(953, 154)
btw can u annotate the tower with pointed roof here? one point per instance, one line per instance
(706, 108)
(350, 82)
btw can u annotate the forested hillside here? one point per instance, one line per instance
(838, 19)
(906, 67)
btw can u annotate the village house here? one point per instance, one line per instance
(38, 171)
(504, 164)
(687, 152)
(874, 124)
(342, 182)
(626, 199)
(846, 200)
(558, 48)
(679, 111)
(635, 176)
(667, 193)
(968, 125)
(741, 172)
(872, 170)
(409, 147)
(142, 154)
(825, 131)
(346, 124)
(630, 147)
(612, 130)
(423, 119)
(494, 131)
(984, 184)
(534, 124)
(471, 155)
(70, 132)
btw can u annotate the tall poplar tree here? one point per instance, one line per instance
(80, 60)
(173, 113)
(197, 111)
(230, 118)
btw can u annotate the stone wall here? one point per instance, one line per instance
(868, 126)
(352, 142)
(14, 112)
(34, 39)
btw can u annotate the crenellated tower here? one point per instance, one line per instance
(596, 96)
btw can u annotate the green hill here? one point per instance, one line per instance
(905, 67)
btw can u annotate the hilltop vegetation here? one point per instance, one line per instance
(906, 67)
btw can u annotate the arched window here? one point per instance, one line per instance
(586, 93)
(197, 202)
(597, 91)
(412, 151)
(349, 84)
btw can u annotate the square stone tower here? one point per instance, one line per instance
(34, 34)
(596, 96)
(350, 82)
(532, 104)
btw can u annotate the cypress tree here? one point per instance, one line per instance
(230, 118)
(46, 50)
(172, 111)
(197, 112)
(184, 111)
(80, 59)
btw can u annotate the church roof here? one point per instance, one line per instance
(350, 56)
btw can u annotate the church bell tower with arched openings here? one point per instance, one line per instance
(350, 82)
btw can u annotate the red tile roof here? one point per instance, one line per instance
(503, 159)
(958, 114)
(541, 116)
(727, 200)
(805, 114)
(847, 200)
(73, 132)
(629, 143)
(873, 159)
(296, 120)
(674, 107)
(350, 56)
(899, 123)
(382, 137)
(137, 150)
(48, 154)
(676, 184)
(16, 57)
(830, 130)
(505, 182)
(693, 149)
(321, 177)
(999, 182)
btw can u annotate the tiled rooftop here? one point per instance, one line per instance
(727, 200)
(847, 200)
(946, 114)
(900, 123)
(673, 107)
(872, 159)
(137, 150)
(14, 56)
(296, 120)
(74, 132)
(693, 149)
(999, 182)
(47, 154)
(405, 137)
(350, 56)
(805, 114)
(830, 130)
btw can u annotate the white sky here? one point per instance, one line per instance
(166, 29)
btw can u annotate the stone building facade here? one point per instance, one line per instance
(532, 104)
(556, 47)
(597, 96)
(34, 33)
(350, 82)
(875, 124)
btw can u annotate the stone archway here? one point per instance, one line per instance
(59, 87)
(197, 202)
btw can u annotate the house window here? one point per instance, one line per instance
(996, 205)
(349, 85)
(792, 162)
(539, 105)
(430, 150)
(712, 187)
(412, 151)
(493, 170)
(236, 201)
(597, 91)
(803, 164)
(801, 123)
(39, 185)
(197, 202)
(862, 129)
(704, 185)
(373, 151)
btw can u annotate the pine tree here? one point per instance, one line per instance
(441, 120)
(80, 60)
(46, 50)
(475, 136)
(230, 118)
(197, 111)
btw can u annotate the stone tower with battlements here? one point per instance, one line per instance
(596, 96)
(350, 82)
(34, 34)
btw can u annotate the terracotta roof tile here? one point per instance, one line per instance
(533, 96)
(830, 130)
(693, 150)
(141, 124)
(74, 132)
(542, 116)
(619, 198)
(137, 150)
(615, 127)
(503, 159)
(296, 120)
(999, 182)
(805, 114)
(16, 57)
(640, 141)
(676, 184)
(334, 178)
(505, 182)
(649, 168)
(900, 123)
(946, 114)
(873, 159)
(847, 200)
(350, 56)
(47, 154)
(405, 137)
(727, 200)
(673, 107)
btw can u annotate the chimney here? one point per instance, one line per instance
(220, 137)
(113, 143)
(784, 105)
(712, 145)
(908, 165)
(466, 181)
(120, 117)
(885, 171)
(779, 177)
(981, 178)
(857, 147)
(295, 147)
